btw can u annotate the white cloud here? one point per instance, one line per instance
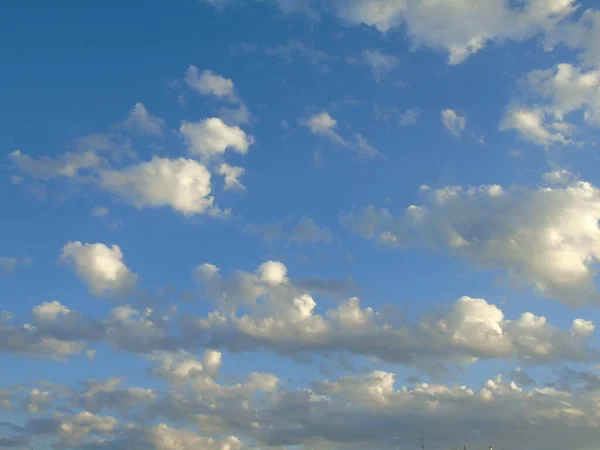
(232, 176)
(546, 238)
(469, 329)
(163, 437)
(322, 124)
(459, 28)
(66, 165)
(209, 83)
(140, 121)
(100, 267)
(559, 177)
(531, 126)
(183, 184)
(557, 94)
(272, 272)
(210, 138)
(379, 62)
(454, 123)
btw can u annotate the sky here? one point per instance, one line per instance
(299, 224)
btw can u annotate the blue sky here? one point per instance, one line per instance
(268, 218)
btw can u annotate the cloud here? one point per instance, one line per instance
(557, 93)
(281, 318)
(35, 341)
(210, 138)
(66, 165)
(459, 29)
(209, 83)
(140, 121)
(379, 62)
(454, 123)
(100, 267)
(7, 265)
(322, 124)
(232, 176)
(183, 184)
(303, 231)
(546, 238)
(100, 211)
(530, 125)
(409, 117)
(582, 34)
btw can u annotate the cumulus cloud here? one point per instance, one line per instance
(7, 264)
(323, 124)
(459, 29)
(183, 184)
(282, 318)
(66, 165)
(557, 93)
(100, 267)
(210, 138)
(453, 122)
(546, 238)
(142, 122)
(232, 176)
(209, 83)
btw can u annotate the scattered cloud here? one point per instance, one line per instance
(100, 267)
(210, 138)
(183, 184)
(140, 121)
(66, 165)
(547, 238)
(380, 63)
(232, 176)
(322, 124)
(454, 123)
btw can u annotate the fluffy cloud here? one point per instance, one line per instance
(531, 125)
(183, 184)
(210, 138)
(454, 123)
(232, 176)
(557, 93)
(281, 318)
(459, 28)
(209, 83)
(546, 238)
(100, 267)
(66, 165)
(142, 122)
(323, 124)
